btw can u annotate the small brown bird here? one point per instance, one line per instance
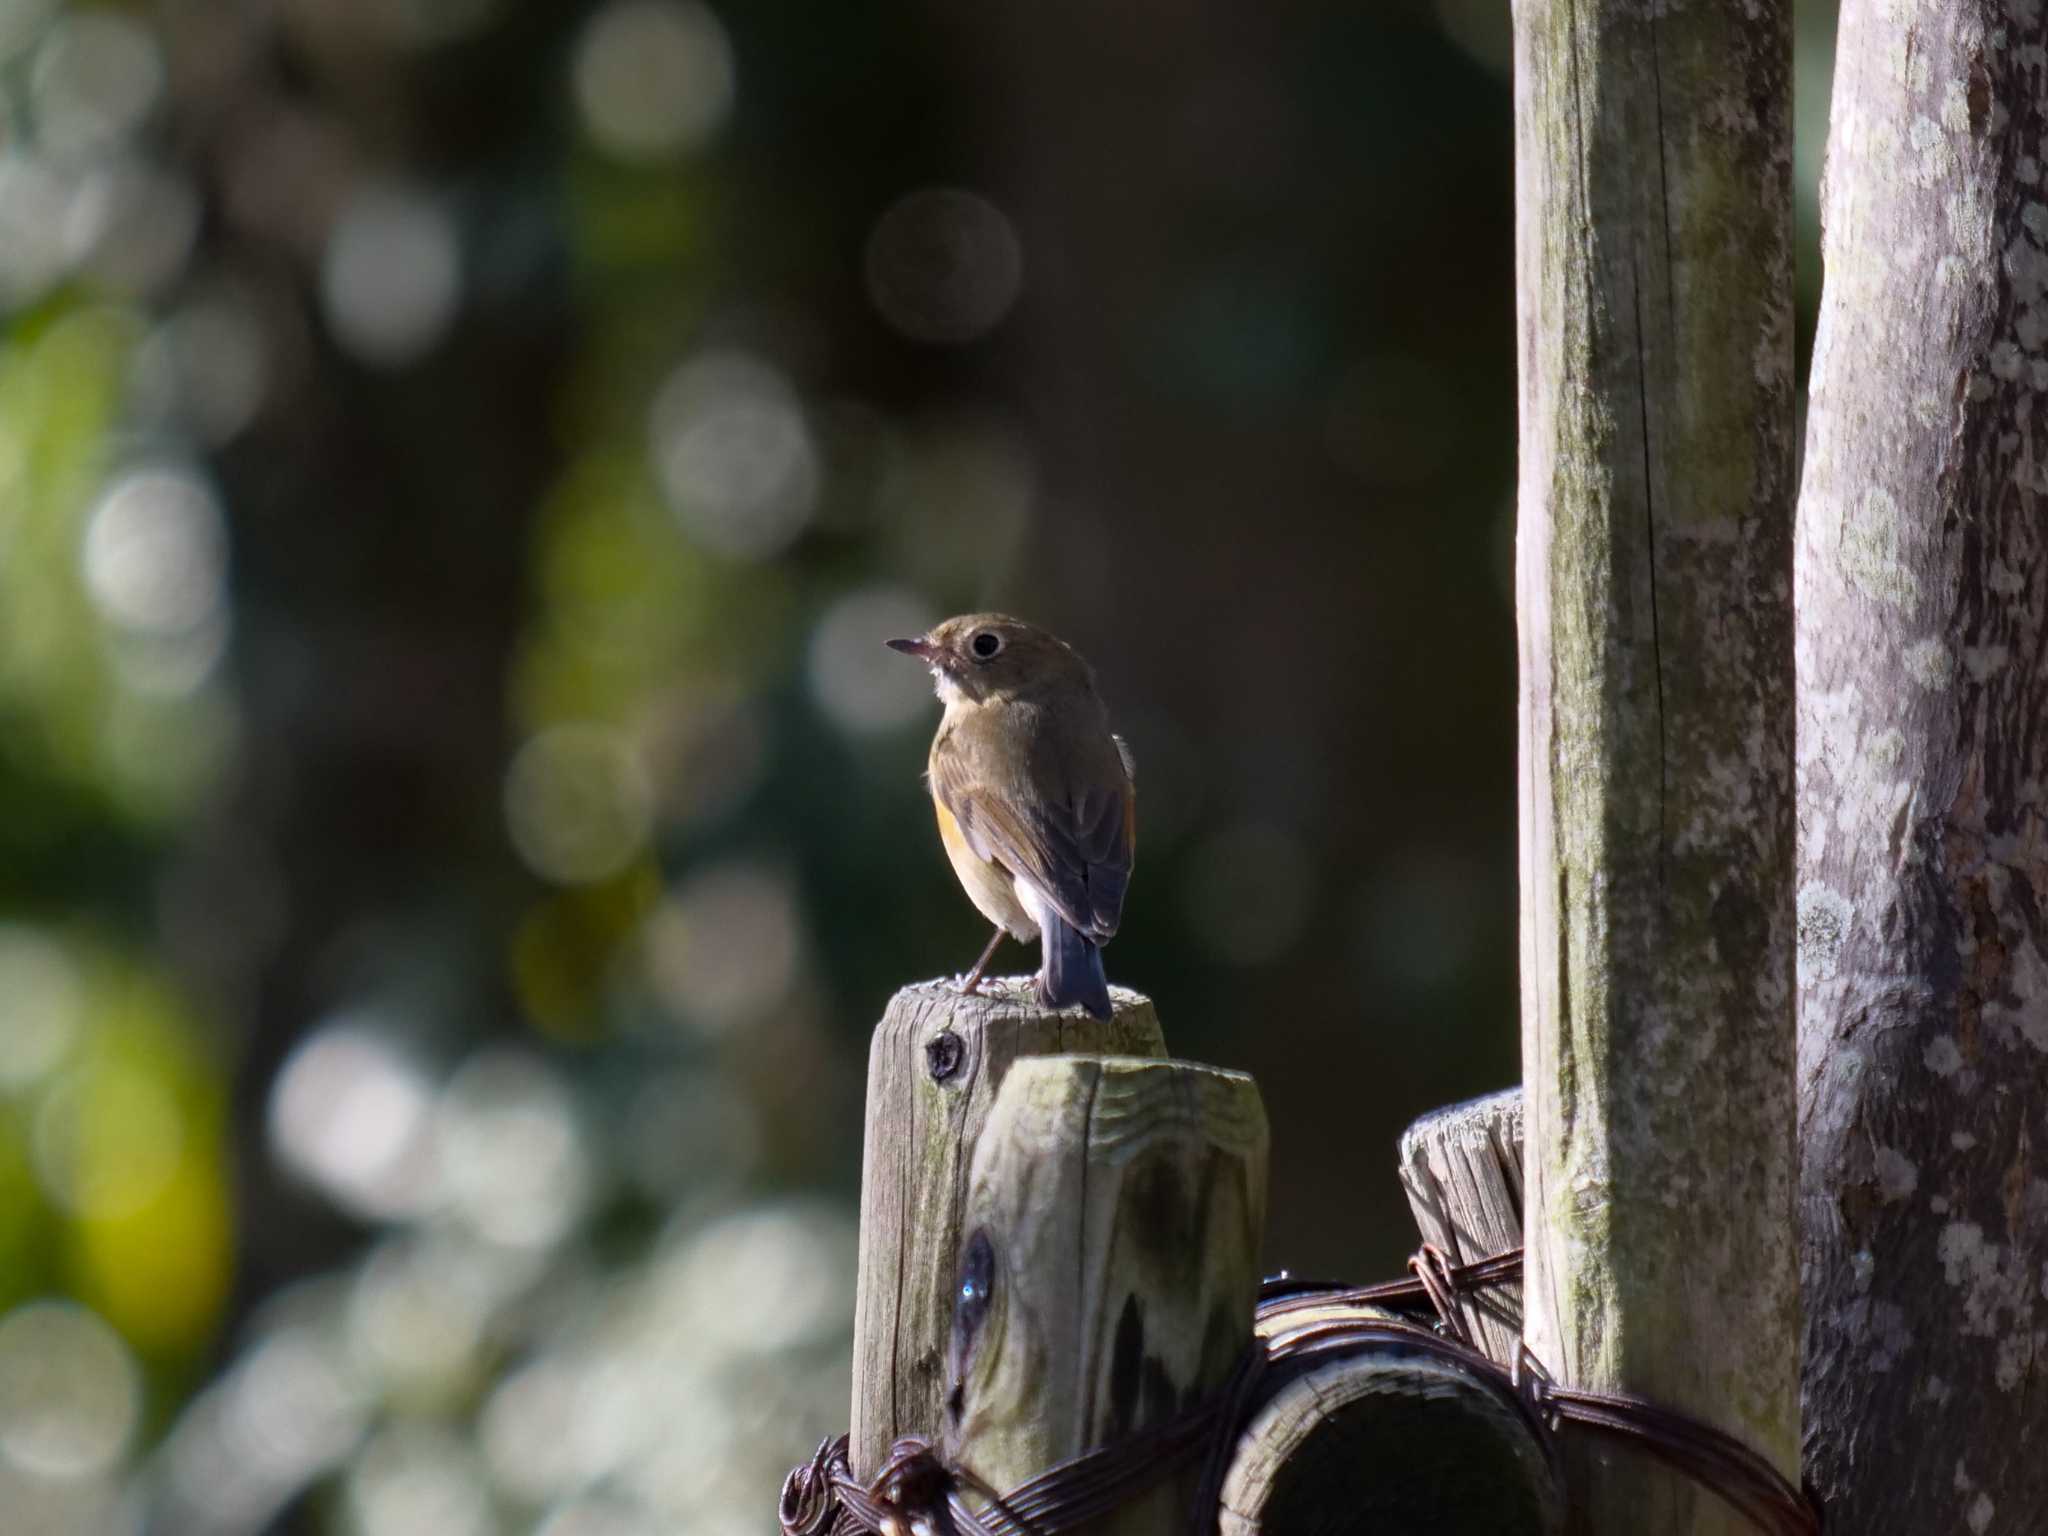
(1034, 796)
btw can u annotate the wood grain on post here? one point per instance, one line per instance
(1110, 1269)
(935, 1063)
(1462, 1169)
(1653, 150)
(1922, 582)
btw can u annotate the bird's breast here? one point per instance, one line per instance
(988, 885)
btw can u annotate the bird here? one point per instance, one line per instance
(1035, 797)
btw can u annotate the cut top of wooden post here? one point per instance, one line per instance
(934, 1066)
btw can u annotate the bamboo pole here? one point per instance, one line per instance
(1392, 1438)
(1653, 213)
(1111, 1266)
(934, 1066)
(1389, 1441)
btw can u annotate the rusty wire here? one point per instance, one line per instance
(916, 1488)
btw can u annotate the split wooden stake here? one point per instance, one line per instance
(1110, 1269)
(1462, 1169)
(935, 1064)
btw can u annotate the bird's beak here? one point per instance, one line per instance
(920, 647)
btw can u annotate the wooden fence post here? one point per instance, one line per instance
(934, 1066)
(1110, 1266)
(1462, 1169)
(1653, 219)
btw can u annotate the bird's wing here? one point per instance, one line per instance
(1076, 852)
(1106, 831)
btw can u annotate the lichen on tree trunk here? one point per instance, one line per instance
(1922, 584)
(1653, 164)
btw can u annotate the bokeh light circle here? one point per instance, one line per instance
(349, 1112)
(513, 1164)
(298, 1405)
(577, 804)
(155, 552)
(859, 683)
(107, 1137)
(793, 1262)
(391, 275)
(207, 367)
(958, 502)
(44, 1007)
(724, 949)
(70, 1392)
(35, 211)
(93, 1506)
(653, 78)
(415, 1319)
(944, 265)
(734, 454)
(133, 226)
(418, 1479)
(528, 1430)
(97, 76)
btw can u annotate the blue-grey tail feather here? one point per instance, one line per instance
(1071, 971)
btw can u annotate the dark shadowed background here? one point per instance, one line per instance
(459, 460)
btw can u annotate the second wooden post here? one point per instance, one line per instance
(1109, 1269)
(1653, 153)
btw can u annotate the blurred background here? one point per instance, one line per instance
(458, 462)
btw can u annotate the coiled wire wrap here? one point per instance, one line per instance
(916, 1489)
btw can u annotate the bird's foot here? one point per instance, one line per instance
(971, 984)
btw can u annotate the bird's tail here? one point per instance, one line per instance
(1071, 971)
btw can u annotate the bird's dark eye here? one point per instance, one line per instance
(986, 644)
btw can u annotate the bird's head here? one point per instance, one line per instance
(986, 655)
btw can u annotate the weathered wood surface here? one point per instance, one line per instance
(1653, 219)
(1922, 582)
(1110, 1268)
(1308, 1315)
(1390, 1441)
(1462, 1169)
(935, 1063)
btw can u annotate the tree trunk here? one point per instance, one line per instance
(1923, 861)
(1653, 163)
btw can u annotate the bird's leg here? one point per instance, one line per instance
(972, 983)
